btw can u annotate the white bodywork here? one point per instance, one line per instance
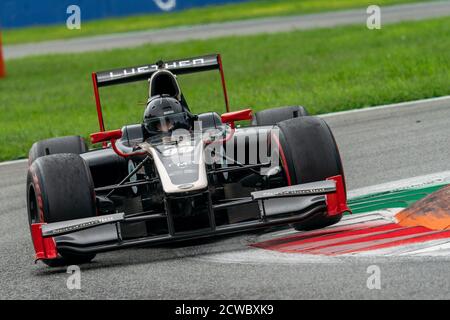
(181, 166)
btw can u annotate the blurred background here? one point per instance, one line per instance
(25, 13)
(316, 53)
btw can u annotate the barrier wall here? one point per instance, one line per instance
(20, 13)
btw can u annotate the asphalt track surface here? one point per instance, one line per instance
(389, 14)
(378, 145)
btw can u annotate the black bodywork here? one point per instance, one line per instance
(152, 216)
(134, 208)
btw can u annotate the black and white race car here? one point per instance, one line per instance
(179, 175)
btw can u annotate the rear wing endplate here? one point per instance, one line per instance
(144, 72)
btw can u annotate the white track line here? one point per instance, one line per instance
(390, 106)
(8, 163)
(415, 182)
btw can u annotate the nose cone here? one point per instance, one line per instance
(432, 212)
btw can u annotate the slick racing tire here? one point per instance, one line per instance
(60, 188)
(69, 144)
(271, 117)
(311, 155)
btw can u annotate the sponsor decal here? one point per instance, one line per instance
(295, 192)
(80, 226)
(154, 67)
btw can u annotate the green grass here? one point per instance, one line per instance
(240, 11)
(325, 70)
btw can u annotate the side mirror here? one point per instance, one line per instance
(106, 136)
(231, 117)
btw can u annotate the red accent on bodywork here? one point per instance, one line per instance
(45, 248)
(231, 117)
(222, 77)
(106, 136)
(337, 201)
(125, 155)
(283, 160)
(98, 103)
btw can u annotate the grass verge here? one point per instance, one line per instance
(195, 16)
(325, 70)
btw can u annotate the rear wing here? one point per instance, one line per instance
(144, 72)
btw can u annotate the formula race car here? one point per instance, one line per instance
(179, 175)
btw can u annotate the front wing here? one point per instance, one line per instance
(103, 233)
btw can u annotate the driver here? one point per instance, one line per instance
(163, 115)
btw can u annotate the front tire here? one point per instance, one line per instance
(60, 188)
(311, 155)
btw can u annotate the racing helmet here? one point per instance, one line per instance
(165, 114)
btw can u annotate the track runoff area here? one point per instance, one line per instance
(409, 217)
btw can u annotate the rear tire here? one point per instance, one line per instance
(272, 116)
(60, 188)
(69, 144)
(311, 155)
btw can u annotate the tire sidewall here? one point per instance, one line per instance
(311, 155)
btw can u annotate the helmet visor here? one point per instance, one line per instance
(168, 123)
